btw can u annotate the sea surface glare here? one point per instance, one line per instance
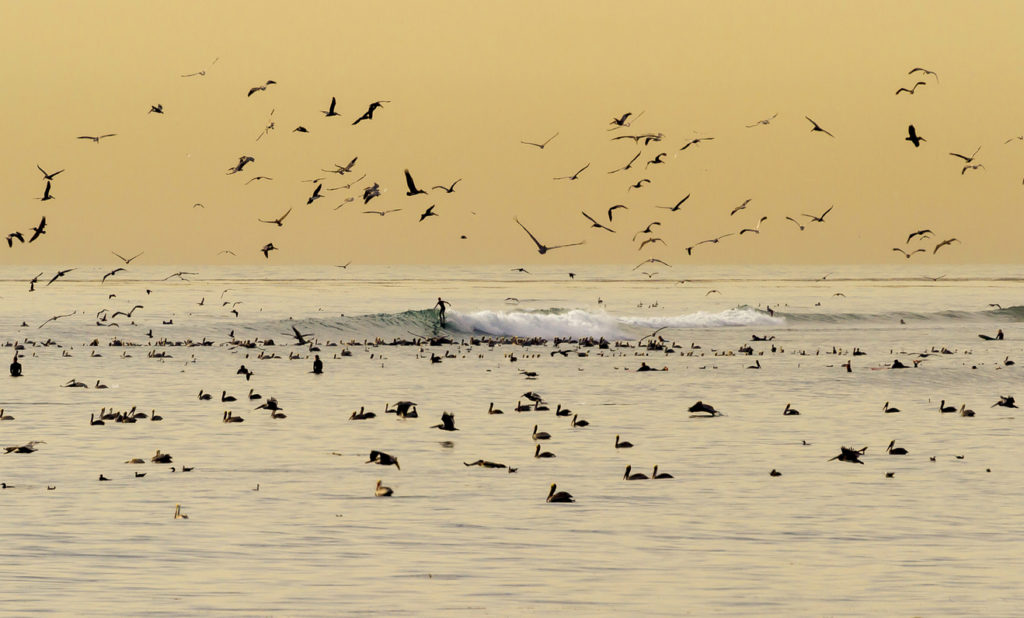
(723, 537)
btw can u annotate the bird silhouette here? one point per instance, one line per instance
(448, 189)
(766, 121)
(678, 205)
(948, 241)
(907, 255)
(922, 233)
(428, 212)
(48, 176)
(613, 208)
(96, 138)
(819, 218)
(256, 89)
(541, 145)
(912, 89)
(818, 128)
(128, 260)
(267, 248)
(278, 221)
(38, 230)
(412, 186)
(628, 165)
(46, 193)
(574, 176)
(594, 223)
(369, 112)
(242, 162)
(913, 137)
(316, 195)
(541, 248)
(740, 207)
(925, 71)
(330, 110)
(697, 140)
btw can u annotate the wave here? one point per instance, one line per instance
(1008, 314)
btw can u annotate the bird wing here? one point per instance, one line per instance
(409, 182)
(532, 237)
(591, 219)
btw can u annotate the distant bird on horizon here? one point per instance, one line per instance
(369, 112)
(541, 145)
(111, 274)
(128, 260)
(541, 248)
(913, 137)
(816, 127)
(409, 182)
(652, 261)
(60, 273)
(256, 89)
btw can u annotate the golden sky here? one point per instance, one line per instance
(467, 82)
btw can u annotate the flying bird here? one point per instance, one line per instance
(697, 140)
(913, 137)
(412, 186)
(922, 233)
(156, 109)
(617, 206)
(678, 204)
(449, 189)
(256, 89)
(111, 274)
(766, 121)
(342, 169)
(267, 248)
(128, 260)
(925, 71)
(740, 207)
(56, 317)
(300, 129)
(429, 212)
(594, 223)
(942, 244)
(907, 255)
(651, 240)
(820, 218)
(541, 248)
(46, 193)
(657, 160)
(38, 230)
(60, 273)
(330, 111)
(316, 195)
(574, 176)
(818, 128)
(971, 167)
(965, 158)
(242, 162)
(639, 184)
(381, 212)
(127, 314)
(756, 229)
(652, 261)
(626, 166)
(254, 178)
(48, 176)
(278, 221)
(12, 236)
(621, 120)
(96, 138)
(542, 145)
(369, 113)
(646, 230)
(911, 90)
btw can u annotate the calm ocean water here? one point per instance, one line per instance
(941, 536)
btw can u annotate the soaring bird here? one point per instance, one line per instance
(925, 71)
(12, 236)
(911, 90)
(448, 189)
(647, 230)
(913, 137)
(371, 192)
(798, 224)
(574, 176)
(48, 176)
(381, 212)
(111, 274)
(766, 121)
(278, 221)
(594, 223)
(650, 240)
(740, 207)
(621, 120)
(96, 138)
(267, 248)
(639, 184)
(60, 273)
(38, 230)
(907, 255)
(341, 170)
(652, 261)
(922, 233)
(316, 194)
(242, 162)
(128, 260)
(657, 160)
(948, 241)
(412, 185)
(818, 128)
(369, 112)
(542, 145)
(615, 207)
(46, 192)
(541, 248)
(256, 89)
(971, 167)
(820, 218)
(156, 109)
(330, 111)
(678, 205)
(428, 212)
(628, 165)
(756, 229)
(695, 141)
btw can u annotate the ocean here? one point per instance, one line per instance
(935, 531)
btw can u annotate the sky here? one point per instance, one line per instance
(466, 83)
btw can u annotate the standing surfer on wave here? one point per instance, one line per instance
(441, 304)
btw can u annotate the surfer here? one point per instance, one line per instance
(998, 337)
(441, 304)
(15, 367)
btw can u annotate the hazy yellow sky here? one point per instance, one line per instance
(467, 82)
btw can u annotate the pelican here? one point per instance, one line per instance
(228, 418)
(92, 419)
(948, 241)
(913, 137)
(447, 422)
(279, 222)
(562, 496)
(177, 512)
(225, 397)
(382, 491)
(818, 128)
(161, 457)
(946, 409)
(368, 115)
(790, 411)
(663, 475)
(899, 450)
(46, 193)
(256, 89)
(492, 410)
(541, 248)
(622, 444)
(574, 176)
(542, 145)
(578, 423)
(912, 89)
(965, 411)
(638, 476)
(888, 410)
(542, 455)
(330, 110)
(906, 254)
(383, 459)
(540, 435)
(700, 406)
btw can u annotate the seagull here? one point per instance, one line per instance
(429, 212)
(818, 128)
(156, 109)
(621, 120)
(96, 138)
(657, 160)
(646, 230)
(614, 208)
(907, 255)
(695, 141)
(948, 241)
(242, 161)
(819, 219)
(267, 248)
(201, 73)
(46, 193)
(278, 221)
(57, 317)
(38, 230)
(714, 241)
(450, 189)
(652, 261)
(412, 186)
(913, 137)
(300, 129)
(740, 207)
(911, 90)
(369, 113)
(763, 122)
(48, 176)
(624, 167)
(574, 176)
(541, 146)
(256, 89)
(542, 249)
(756, 229)
(922, 233)
(381, 212)
(650, 240)
(60, 273)
(595, 223)
(180, 275)
(316, 194)
(342, 169)
(33, 282)
(639, 184)
(127, 260)
(127, 314)
(12, 236)
(111, 274)
(678, 204)
(971, 167)
(798, 224)
(646, 137)
(330, 111)
(925, 71)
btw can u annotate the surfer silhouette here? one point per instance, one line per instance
(15, 367)
(441, 304)
(318, 365)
